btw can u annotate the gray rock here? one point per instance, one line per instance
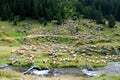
(37, 71)
(117, 51)
(20, 79)
(107, 47)
(100, 29)
(56, 73)
(2, 66)
(101, 51)
(117, 34)
(88, 47)
(7, 67)
(90, 73)
(12, 58)
(89, 36)
(89, 67)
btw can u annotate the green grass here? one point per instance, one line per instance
(18, 35)
(5, 23)
(5, 53)
(10, 40)
(105, 77)
(9, 73)
(6, 75)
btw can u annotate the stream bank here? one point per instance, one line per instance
(112, 68)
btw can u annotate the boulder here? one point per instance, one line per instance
(89, 67)
(90, 73)
(37, 71)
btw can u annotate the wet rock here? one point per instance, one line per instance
(89, 67)
(37, 71)
(8, 67)
(90, 73)
(2, 66)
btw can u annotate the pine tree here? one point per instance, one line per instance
(99, 17)
(35, 13)
(4, 13)
(111, 21)
(117, 12)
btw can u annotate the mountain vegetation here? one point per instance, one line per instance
(43, 10)
(66, 35)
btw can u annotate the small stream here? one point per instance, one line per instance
(72, 71)
(112, 68)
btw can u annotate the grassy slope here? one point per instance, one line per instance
(12, 38)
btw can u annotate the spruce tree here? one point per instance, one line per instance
(111, 21)
(99, 17)
(4, 14)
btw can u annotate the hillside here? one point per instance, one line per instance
(59, 40)
(73, 43)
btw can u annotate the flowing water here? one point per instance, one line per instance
(111, 69)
